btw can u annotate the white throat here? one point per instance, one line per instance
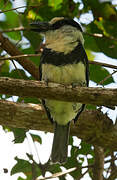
(64, 39)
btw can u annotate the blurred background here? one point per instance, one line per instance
(22, 150)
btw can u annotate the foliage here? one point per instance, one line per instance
(104, 23)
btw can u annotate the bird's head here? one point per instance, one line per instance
(61, 34)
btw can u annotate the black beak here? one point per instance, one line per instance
(40, 26)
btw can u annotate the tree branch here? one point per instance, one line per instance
(113, 175)
(59, 174)
(11, 49)
(95, 35)
(39, 89)
(12, 9)
(4, 11)
(20, 28)
(36, 55)
(99, 163)
(20, 56)
(103, 64)
(107, 77)
(92, 126)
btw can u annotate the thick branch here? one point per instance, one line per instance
(30, 88)
(92, 126)
(11, 49)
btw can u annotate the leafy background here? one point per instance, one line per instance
(97, 17)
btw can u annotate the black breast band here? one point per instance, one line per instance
(59, 58)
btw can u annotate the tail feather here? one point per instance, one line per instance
(60, 143)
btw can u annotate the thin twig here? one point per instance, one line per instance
(36, 55)
(4, 11)
(107, 77)
(103, 64)
(66, 172)
(108, 161)
(20, 56)
(21, 28)
(20, 75)
(12, 9)
(82, 174)
(96, 35)
(35, 147)
(113, 174)
(59, 174)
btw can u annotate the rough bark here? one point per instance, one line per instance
(93, 126)
(99, 163)
(30, 88)
(11, 49)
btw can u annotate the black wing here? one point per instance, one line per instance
(84, 59)
(43, 101)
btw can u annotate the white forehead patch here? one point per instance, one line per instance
(56, 19)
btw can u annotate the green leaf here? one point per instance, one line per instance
(34, 38)
(31, 170)
(85, 148)
(5, 96)
(56, 4)
(19, 134)
(90, 160)
(54, 168)
(5, 67)
(28, 100)
(73, 162)
(98, 73)
(18, 74)
(20, 178)
(91, 107)
(3, 5)
(71, 140)
(22, 166)
(30, 50)
(90, 43)
(36, 138)
(106, 10)
(101, 44)
(13, 18)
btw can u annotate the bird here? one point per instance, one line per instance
(62, 61)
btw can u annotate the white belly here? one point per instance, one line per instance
(63, 112)
(68, 74)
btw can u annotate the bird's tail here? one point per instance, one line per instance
(60, 143)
